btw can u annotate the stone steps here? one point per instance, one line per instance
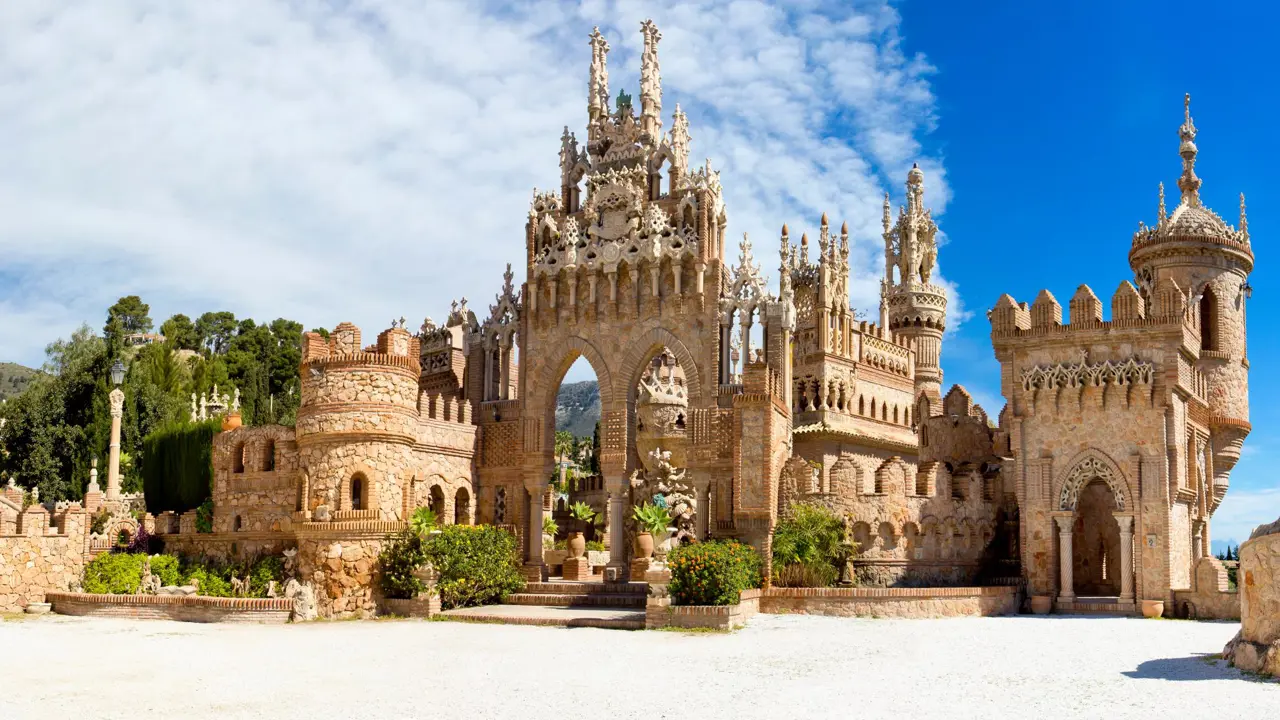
(563, 587)
(627, 600)
(550, 616)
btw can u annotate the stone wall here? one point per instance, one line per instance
(41, 559)
(1210, 597)
(660, 613)
(185, 608)
(893, 602)
(1256, 647)
(342, 566)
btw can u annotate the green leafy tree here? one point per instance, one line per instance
(127, 317)
(181, 333)
(215, 330)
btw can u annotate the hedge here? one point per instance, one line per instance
(177, 466)
(475, 564)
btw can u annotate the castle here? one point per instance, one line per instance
(1094, 485)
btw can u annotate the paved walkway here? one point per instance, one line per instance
(778, 667)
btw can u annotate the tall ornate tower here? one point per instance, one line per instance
(1194, 250)
(910, 305)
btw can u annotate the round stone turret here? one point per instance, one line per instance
(358, 422)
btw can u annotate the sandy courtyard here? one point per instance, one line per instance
(779, 667)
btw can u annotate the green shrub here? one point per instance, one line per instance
(204, 516)
(712, 573)
(165, 567)
(596, 545)
(114, 574)
(398, 561)
(424, 520)
(177, 466)
(651, 518)
(809, 547)
(476, 564)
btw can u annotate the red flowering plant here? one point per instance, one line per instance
(712, 573)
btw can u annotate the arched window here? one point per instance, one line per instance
(1208, 320)
(236, 524)
(462, 507)
(437, 502)
(237, 459)
(358, 489)
(269, 457)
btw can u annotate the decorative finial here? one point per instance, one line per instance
(1244, 220)
(887, 216)
(1189, 184)
(824, 219)
(1161, 213)
(844, 228)
(784, 230)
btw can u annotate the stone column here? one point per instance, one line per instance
(1066, 584)
(618, 497)
(534, 555)
(113, 456)
(1126, 557)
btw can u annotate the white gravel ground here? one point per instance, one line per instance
(778, 667)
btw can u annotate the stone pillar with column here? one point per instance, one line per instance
(1126, 557)
(113, 456)
(619, 497)
(1066, 583)
(533, 534)
(702, 486)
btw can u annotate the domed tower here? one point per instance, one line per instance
(910, 305)
(1211, 262)
(357, 424)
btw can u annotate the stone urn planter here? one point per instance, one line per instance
(644, 545)
(577, 544)
(231, 422)
(1152, 608)
(1041, 604)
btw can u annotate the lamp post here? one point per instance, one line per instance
(117, 411)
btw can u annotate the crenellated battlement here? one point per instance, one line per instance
(1171, 308)
(396, 347)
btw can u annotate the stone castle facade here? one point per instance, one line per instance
(1098, 478)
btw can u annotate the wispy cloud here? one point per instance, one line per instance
(358, 161)
(1242, 511)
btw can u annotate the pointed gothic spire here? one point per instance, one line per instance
(598, 85)
(650, 81)
(680, 139)
(888, 218)
(1161, 214)
(1189, 184)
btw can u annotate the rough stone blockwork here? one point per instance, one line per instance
(893, 602)
(1256, 647)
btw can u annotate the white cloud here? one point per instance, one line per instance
(366, 160)
(1243, 510)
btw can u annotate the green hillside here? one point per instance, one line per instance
(14, 379)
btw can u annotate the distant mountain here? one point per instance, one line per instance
(578, 408)
(14, 379)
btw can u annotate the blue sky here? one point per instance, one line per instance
(365, 161)
(1056, 123)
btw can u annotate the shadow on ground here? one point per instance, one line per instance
(1201, 666)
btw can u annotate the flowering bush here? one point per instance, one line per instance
(712, 573)
(398, 560)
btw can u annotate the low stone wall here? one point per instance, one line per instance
(1210, 597)
(660, 613)
(31, 566)
(420, 607)
(1256, 647)
(893, 572)
(893, 602)
(185, 608)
